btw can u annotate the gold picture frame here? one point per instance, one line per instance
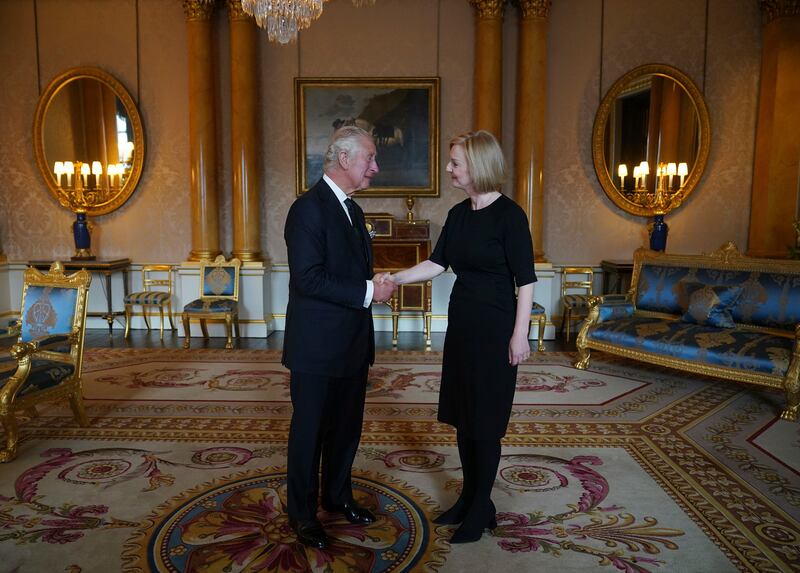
(402, 114)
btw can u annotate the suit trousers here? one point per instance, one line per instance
(326, 427)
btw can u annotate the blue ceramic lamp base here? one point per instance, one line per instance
(658, 234)
(83, 240)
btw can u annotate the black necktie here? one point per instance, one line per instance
(354, 220)
(351, 208)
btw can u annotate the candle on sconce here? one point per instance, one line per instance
(85, 172)
(636, 176)
(111, 171)
(644, 171)
(69, 170)
(58, 169)
(671, 171)
(622, 171)
(683, 171)
(97, 171)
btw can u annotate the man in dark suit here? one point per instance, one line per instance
(329, 341)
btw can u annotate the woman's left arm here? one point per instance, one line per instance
(519, 348)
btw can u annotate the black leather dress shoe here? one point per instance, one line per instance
(309, 533)
(351, 511)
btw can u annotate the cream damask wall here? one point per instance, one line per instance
(590, 43)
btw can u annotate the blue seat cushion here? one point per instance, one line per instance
(223, 305)
(153, 297)
(44, 374)
(728, 347)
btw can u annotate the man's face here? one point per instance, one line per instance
(360, 167)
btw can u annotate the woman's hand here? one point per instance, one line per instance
(519, 349)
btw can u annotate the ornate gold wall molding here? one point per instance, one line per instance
(199, 9)
(772, 9)
(236, 12)
(488, 9)
(533, 8)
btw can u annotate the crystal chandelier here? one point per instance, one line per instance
(283, 19)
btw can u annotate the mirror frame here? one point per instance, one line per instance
(133, 114)
(599, 133)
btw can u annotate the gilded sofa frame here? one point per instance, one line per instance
(728, 258)
(42, 348)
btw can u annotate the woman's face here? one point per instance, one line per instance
(458, 170)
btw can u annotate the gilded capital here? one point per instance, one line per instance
(235, 10)
(530, 9)
(198, 9)
(488, 9)
(772, 9)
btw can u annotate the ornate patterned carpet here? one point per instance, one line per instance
(622, 467)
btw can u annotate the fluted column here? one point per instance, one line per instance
(776, 167)
(244, 156)
(202, 131)
(488, 65)
(530, 114)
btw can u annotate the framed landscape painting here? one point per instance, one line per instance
(401, 114)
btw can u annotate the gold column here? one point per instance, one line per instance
(244, 66)
(776, 168)
(488, 65)
(202, 131)
(530, 114)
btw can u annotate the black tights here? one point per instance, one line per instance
(474, 508)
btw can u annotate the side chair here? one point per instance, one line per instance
(219, 298)
(45, 362)
(576, 288)
(538, 314)
(156, 291)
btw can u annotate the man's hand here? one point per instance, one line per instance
(384, 287)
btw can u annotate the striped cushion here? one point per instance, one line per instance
(576, 300)
(211, 305)
(147, 297)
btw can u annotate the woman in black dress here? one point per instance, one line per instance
(487, 242)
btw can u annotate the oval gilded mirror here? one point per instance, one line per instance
(650, 140)
(88, 141)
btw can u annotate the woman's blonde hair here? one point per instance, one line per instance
(485, 161)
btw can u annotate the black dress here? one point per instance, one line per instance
(489, 250)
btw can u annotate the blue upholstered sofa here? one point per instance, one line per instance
(722, 314)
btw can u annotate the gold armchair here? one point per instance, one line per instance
(156, 291)
(219, 298)
(45, 362)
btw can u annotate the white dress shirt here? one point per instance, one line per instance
(341, 196)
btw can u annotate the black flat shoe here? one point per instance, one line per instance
(309, 533)
(351, 511)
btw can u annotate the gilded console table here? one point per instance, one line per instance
(397, 245)
(105, 267)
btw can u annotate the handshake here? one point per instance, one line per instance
(385, 287)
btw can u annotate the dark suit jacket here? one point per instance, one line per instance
(328, 330)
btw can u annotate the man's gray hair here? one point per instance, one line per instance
(348, 139)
